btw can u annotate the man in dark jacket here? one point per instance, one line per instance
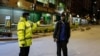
(61, 35)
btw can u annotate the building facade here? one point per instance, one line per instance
(37, 8)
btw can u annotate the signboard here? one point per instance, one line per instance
(7, 17)
(46, 1)
(43, 1)
(40, 8)
(51, 10)
(7, 21)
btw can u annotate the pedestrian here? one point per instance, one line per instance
(61, 35)
(24, 32)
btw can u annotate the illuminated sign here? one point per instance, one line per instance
(43, 1)
(40, 8)
(47, 1)
(7, 17)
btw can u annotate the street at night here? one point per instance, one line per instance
(81, 43)
(26, 22)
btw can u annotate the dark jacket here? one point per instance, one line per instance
(57, 31)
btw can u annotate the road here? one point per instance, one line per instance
(86, 43)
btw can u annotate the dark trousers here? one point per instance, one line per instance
(62, 45)
(24, 51)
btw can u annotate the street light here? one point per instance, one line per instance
(95, 2)
(19, 4)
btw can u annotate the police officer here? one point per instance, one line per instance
(24, 32)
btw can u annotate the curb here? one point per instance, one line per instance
(34, 37)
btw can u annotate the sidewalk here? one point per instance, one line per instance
(14, 36)
(37, 35)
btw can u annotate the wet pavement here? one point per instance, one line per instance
(86, 43)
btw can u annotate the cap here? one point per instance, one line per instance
(25, 13)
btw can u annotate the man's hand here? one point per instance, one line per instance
(67, 41)
(55, 40)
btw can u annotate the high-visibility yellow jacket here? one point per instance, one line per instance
(34, 26)
(24, 32)
(38, 23)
